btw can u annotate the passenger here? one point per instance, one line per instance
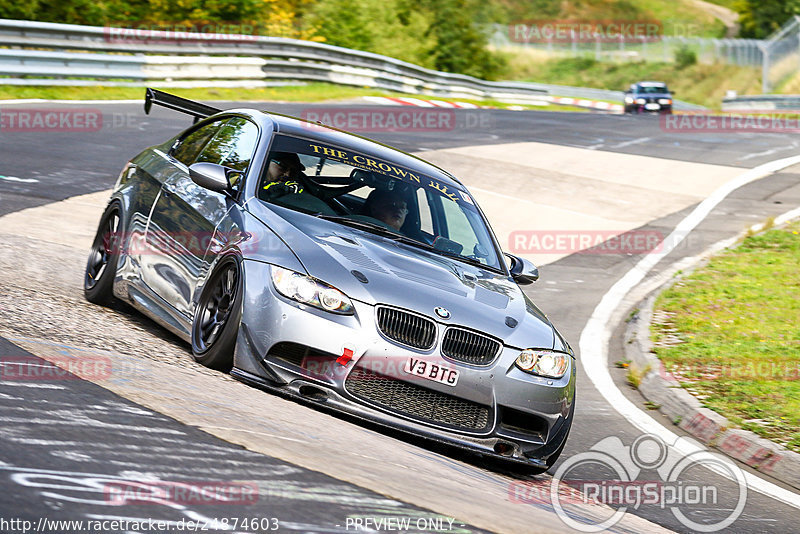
(282, 175)
(387, 206)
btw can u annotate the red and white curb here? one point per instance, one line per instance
(688, 413)
(419, 102)
(431, 103)
(583, 103)
(710, 427)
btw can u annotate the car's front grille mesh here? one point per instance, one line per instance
(406, 328)
(300, 355)
(416, 401)
(469, 347)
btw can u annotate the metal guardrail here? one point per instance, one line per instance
(761, 103)
(45, 53)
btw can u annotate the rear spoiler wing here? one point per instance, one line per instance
(190, 107)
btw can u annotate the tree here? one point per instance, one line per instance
(343, 23)
(760, 18)
(460, 45)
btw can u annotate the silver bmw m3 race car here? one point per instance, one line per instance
(328, 267)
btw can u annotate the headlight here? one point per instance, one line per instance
(307, 290)
(641, 101)
(665, 101)
(543, 362)
(629, 100)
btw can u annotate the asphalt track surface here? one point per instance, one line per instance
(76, 163)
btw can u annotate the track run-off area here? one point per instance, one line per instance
(550, 184)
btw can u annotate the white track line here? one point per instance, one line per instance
(597, 332)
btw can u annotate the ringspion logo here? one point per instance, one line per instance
(647, 473)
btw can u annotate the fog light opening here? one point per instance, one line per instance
(313, 393)
(504, 448)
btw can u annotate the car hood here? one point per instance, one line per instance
(410, 277)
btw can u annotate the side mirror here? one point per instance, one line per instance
(522, 271)
(211, 176)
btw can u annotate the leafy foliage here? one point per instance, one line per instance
(760, 18)
(273, 17)
(441, 34)
(685, 57)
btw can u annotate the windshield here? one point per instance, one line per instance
(376, 196)
(653, 89)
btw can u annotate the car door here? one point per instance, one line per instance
(185, 216)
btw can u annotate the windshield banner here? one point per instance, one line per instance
(372, 164)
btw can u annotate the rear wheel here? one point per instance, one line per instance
(98, 280)
(216, 320)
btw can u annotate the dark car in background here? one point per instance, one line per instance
(421, 327)
(648, 97)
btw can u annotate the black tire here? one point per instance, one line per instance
(216, 319)
(101, 267)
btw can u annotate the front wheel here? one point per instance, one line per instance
(216, 320)
(98, 280)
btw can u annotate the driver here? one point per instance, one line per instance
(388, 207)
(282, 175)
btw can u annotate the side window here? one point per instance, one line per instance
(191, 145)
(233, 145)
(459, 228)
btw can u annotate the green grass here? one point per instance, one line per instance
(314, 92)
(730, 333)
(699, 84)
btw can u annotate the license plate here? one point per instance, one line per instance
(431, 371)
(652, 106)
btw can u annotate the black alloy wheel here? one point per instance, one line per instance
(102, 264)
(216, 320)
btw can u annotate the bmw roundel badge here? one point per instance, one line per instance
(442, 312)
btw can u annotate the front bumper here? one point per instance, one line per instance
(496, 410)
(651, 108)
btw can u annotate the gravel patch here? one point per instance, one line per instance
(42, 298)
